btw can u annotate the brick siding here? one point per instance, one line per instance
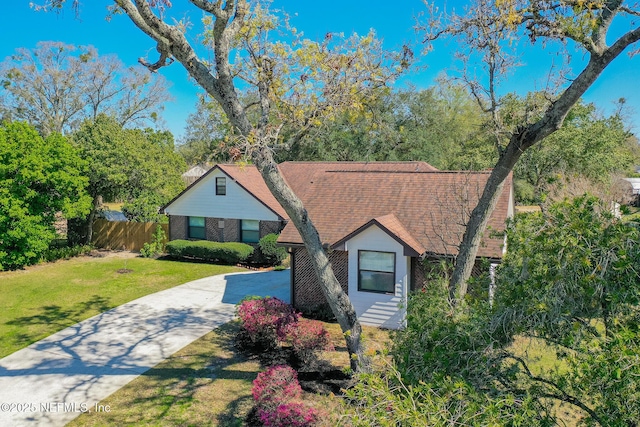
(418, 274)
(307, 291)
(269, 227)
(231, 232)
(212, 231)
(178, 227)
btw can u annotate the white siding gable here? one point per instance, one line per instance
(378, 309)
(201, 200)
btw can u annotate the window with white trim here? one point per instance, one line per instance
(377, 271)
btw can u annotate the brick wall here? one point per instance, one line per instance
(307, 291)
(177, 227)
(231, 232)
(212, 229)
(268, 227)
(418, 275)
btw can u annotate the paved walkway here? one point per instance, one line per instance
(54, 380)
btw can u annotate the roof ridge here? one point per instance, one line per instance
(355, 162)
(411, 172)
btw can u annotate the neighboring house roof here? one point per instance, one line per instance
(192, 175)
(196, 171)
(635, 184)
(425, 210)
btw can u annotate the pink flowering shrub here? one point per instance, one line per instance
(277, 394)
(306, 337)
(276, 385)
(291, 414)
(266, 319)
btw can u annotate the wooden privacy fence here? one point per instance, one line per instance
(130, 236)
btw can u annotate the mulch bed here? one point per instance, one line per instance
(315, 375)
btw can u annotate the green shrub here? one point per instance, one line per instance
(156, 246)
(55, 252)
(272, 253)
(228, 252)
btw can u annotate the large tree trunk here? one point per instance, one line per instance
(221, 87)
(477, 224)
(338, 301)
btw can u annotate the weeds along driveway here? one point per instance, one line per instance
(53, 380)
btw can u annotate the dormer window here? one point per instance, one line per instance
(221, 186)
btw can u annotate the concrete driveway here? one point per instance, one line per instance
(54, 380)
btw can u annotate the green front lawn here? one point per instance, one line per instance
(44, 299)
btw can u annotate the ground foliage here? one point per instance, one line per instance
(273, 331)
(278, 398)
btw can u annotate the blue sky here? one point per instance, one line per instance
(393, 21)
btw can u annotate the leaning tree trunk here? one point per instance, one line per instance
(338, 301)
(477, 224)
(522, 139)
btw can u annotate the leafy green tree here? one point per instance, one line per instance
(441, 125)
(132, 165)
(205, 133)
(570, 279)
(39, 177)
(589, 145)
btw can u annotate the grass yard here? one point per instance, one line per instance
(208, 383)
(43, 299)
(542, 359)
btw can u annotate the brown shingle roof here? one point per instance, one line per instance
(395, 229)
(421, 207)
(431, 206)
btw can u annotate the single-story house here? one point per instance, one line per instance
(377, 220)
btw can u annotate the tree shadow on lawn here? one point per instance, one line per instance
(56, 318)
(183, 389)
(177, 387)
